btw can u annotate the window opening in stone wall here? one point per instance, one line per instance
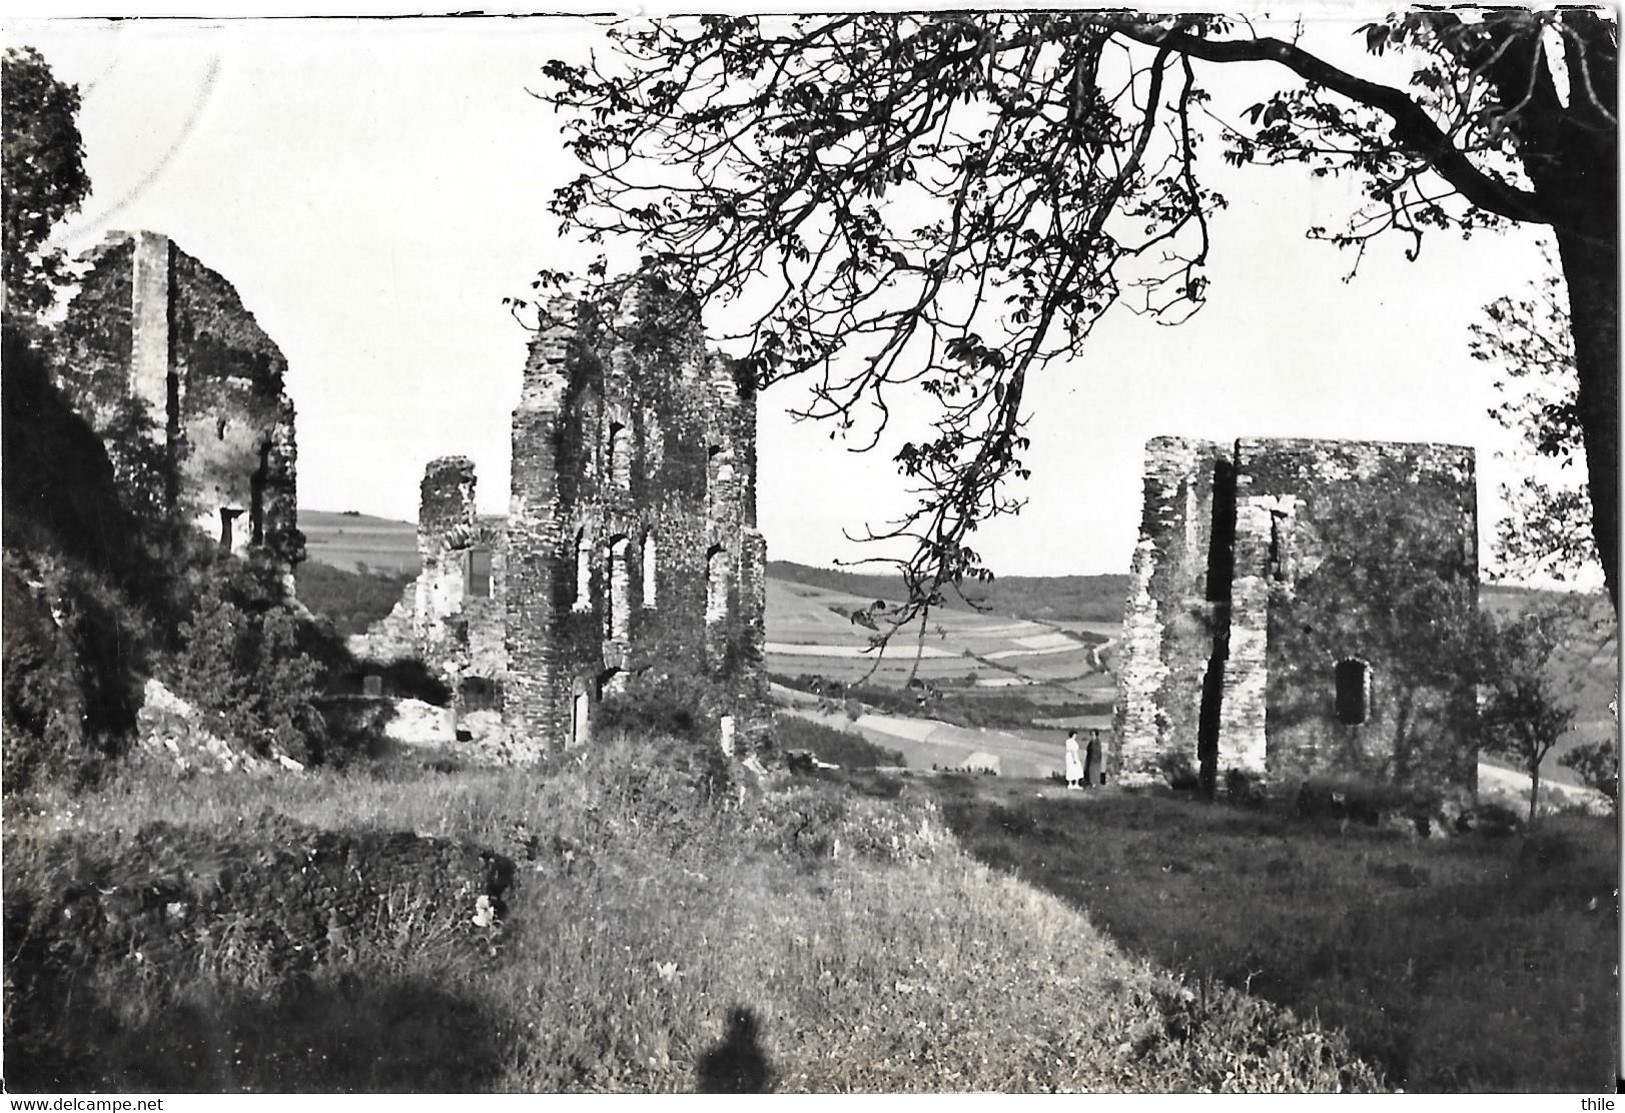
(478, 579)
(651, 577)
(1353, 679)
(619, 618)
(716, 585)
(618, 462)
(479, 693)
(256, 497)
(228, 519)
(583, 585)
(1280, 561)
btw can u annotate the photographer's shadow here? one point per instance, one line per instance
(737, 1065)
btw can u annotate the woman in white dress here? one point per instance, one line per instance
(1074, 764)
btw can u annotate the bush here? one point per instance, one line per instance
(245, 670)
(71, 650)
(1179, 771)
(677, 704)
(1597, 766)
(1363, 800)
(353, 601)
(1243, 789)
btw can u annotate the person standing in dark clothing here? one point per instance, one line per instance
(1092, 772)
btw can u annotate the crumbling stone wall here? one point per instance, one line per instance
(632, 536)
(177, 377)
(630, 548)
(1312, 619)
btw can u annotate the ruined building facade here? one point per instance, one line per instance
(1301, 608)
(630, 547)
(186, 390)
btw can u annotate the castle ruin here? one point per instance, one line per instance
(162, 357)
(1300, 608)
(630, 545)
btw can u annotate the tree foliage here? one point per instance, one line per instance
(1527, 341)
(239, 660)
(44, 178)
(1526, 712)
(1410, 567)
(1597, 765)
(945, 203)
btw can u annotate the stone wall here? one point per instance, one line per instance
(1261, 573)
(1169, 623)
(177, 377)
(1370, 558)
(630, 549)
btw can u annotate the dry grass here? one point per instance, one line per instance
(870, 952)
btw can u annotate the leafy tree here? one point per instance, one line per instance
(1597, 766)
(1525, 713)
(1417, 625)
(1527, 340)
(44, 178)
(951, 200)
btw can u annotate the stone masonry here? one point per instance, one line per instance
(630, 544)
(1295, 610)
(162, 353)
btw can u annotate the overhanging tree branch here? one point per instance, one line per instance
(1413, 127)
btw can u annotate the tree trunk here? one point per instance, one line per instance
(1591, 268)
(1534, 790)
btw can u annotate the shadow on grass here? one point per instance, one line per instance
(1462, 964)
(347, 1034)
(737, 1065)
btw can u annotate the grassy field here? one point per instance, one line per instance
(1468, 964)
(667, 933)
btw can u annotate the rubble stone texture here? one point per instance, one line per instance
(153, 326)
(1293, 609)
(630, 545)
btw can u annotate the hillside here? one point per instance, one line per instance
(1049, 599)
(346, 539)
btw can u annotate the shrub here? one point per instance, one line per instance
(677, 703)
(1363, 800)
(71, 648)
(1243, 789)
(1179, 771)
(353, 601)
(1597, 766)
(244, 668)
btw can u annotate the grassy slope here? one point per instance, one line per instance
(872, 954)
(1472, 963)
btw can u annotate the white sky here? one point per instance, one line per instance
(374, 188)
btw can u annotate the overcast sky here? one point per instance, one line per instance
(374, 188)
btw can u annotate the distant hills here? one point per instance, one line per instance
(347, 539)
(1036, 598)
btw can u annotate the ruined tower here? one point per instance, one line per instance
(632, 537)
(1301, 608)
(162, 350)
(630, 546)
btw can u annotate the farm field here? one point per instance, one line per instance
(347, 540)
